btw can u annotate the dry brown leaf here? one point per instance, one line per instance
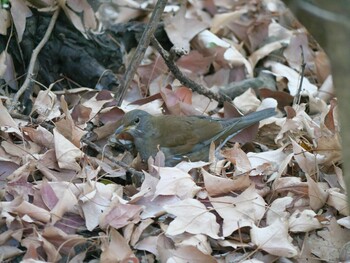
(210, 45)
(8, 252)
(274, 239)
(84, 7)
(96, 199)
(116, 249)
(67, 202)
(266, 50)
(24, 208)
(333, 237)
(169, 253)
(4, 23)
(119, 214)
(306, 161)
(66, 152)
(192, 217)
(338, 201)
(303, 221)
(174, 181)
(345, 222)
(200, 242)
(40, 136)
(220, 21)
(46, 106)
(281, 70)
(181, 29)
(19, 12)
(136, 234)
(318, 196)
(277, 209)
(195, 62)
(7, 124)
(216, 185)
(148, 244)
(243, 210)
(7, 68)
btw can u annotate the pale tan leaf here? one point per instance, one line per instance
(20, 11)
(293, 78)
(117, 249)
(216, 185)
(221, 20)
(66, 203)
(211, 45)
(7, 124)
(247, 102)
(34, 212)
(148, 244)
(333, 238)
(345, 222)
(200, 242)
(318, 196)
(40, 136)
(174, 181)
(192, 217)
(46, 106)
(306, 161)
(88, 13)
(7, 69)
(66, 152)
(269, 161)
(169, 253)
(243, 210)
(181, 29)
(119, 214)
(274, 239)
(4, 23)
(338, 201)
(277, 209)
(8, 252)
(136, 234)
(266, 50)
(96, 199)
(303, 221)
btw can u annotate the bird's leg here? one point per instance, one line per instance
(217, 150)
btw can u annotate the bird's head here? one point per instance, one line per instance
(133, 123)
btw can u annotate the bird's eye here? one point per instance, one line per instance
(137, 120)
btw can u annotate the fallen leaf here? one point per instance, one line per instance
(116, 249)
(174, 181)
(274, 239)
(192, 217)
(303, 221)
(237, 212)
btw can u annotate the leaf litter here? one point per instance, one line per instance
(280, 196)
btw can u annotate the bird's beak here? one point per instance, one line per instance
(120, 130)
(115, 138)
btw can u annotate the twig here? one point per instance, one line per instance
(112, 159)
(140, 50)
(297, 98)
(168, 58)
(94, 146)
(33, 59)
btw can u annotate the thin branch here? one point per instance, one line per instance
(110, 157)
(33, 59)
(141, 49)
(94, 146)
(297, 98)
(168, 58)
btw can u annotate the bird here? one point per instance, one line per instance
(181, 137)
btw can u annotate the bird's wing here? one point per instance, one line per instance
(181, 139)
